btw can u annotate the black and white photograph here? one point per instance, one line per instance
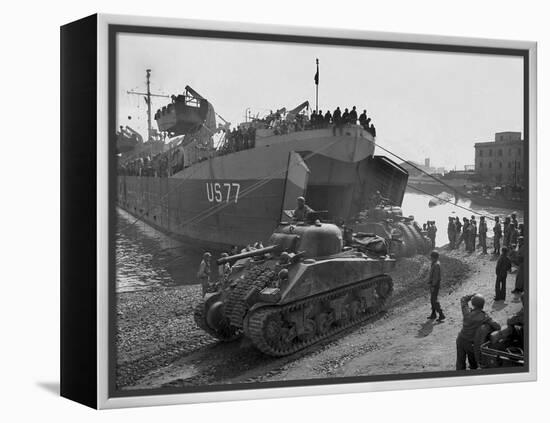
(292, 211)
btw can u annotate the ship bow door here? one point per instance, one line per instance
(295, 184)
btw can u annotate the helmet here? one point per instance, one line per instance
(478, 301)
(207, 255)
(284, 258)
(434, 254)
(283, 274)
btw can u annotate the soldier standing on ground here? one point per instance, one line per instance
(204, 272)
(432, 230)
(473, 319)
(451, 233)
(514, 220)
(483, 234)
(465, 233)
(473, 234)
(507, 232)
(504, 265)
(458, 236)
(497, 235)
(521, 267)
(434, 282)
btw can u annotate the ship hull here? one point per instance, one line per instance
(239, 198)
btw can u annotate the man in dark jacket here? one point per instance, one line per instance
(363, 119)
(483, 234)
(473, 319)
(353, 116)
(345, 117)
(504, 265)
(451, 233)
(434, 282)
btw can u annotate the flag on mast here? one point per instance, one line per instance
(316, 77)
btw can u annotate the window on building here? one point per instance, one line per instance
(490, 152)
(480, 165)
(480, 153)
(499, 152)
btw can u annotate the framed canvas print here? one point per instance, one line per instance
(254, 211)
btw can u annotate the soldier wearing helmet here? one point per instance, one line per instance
(301, 212)
(473, 319)
(204, 272)
(224, 269)
(434, 282)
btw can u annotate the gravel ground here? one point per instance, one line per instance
(159, 345)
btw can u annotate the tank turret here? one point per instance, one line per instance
(306, 286)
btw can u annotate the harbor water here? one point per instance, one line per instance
(146, 258)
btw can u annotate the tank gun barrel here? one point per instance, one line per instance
(258, 252)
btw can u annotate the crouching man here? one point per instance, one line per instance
(473, 319)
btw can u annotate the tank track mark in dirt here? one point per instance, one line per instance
(264, 326)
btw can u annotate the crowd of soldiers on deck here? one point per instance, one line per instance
(156, 166)
(238, 139)
(339, 119)
(244, 138)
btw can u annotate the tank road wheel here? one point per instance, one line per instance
(278, 334)
(272, 331)
(384, 289)
(324, 322)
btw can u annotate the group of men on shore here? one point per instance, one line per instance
(508, 235)
(470, 337)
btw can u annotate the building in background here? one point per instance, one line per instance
(412, 168)
(501, 161)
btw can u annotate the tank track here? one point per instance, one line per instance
(259, 276)
(258, 319)
(230, 333)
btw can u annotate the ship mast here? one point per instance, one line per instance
(149, 126)
(148, 96)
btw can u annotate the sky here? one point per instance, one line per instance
(423, 104)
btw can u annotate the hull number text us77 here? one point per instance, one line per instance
(218, 192)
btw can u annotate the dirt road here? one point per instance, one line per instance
(159, 345)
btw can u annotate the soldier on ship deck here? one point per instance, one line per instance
(301, 212)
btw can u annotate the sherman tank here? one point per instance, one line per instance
(404, 235)
(306, 286)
